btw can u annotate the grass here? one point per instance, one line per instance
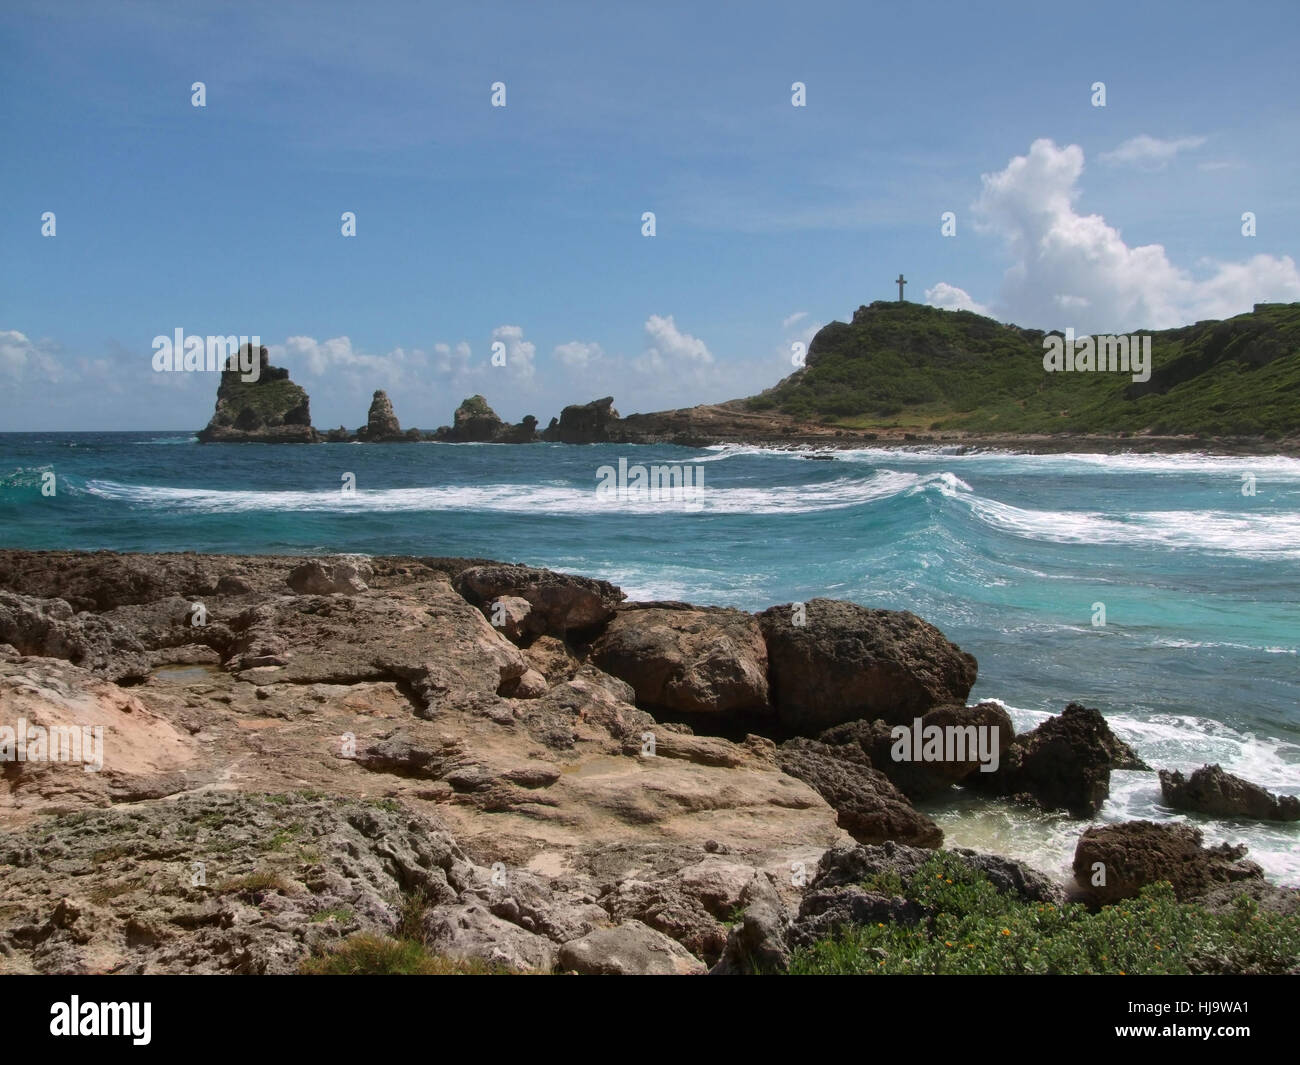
(368, 954)
(253, 883)
(975, 929)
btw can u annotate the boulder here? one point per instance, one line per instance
(630, 949)
(758, 943)
(1063, 764)
(921, 778)
(846, 662)
(665, 907)
(866, 804)
(691, 660)
(1114, 862)
(559, 602)
(1210, 790)
(318, 578)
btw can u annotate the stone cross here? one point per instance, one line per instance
(901, 283)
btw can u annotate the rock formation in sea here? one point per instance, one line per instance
(588, 423)
(518, 764)
(1209, 790)
(476, 422)
(270, 409)
(382, 426)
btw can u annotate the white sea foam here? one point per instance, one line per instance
(544, 498)
(1260, 536)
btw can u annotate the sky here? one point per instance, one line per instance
(522, 225)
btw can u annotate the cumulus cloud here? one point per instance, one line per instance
(21, 358)
(1073, 269)
(1149, 153)
(669, 346)
(520, 353)
(798, 316)
(577, 355)
(951, 298)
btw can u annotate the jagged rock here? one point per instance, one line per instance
(133, 906)
(509, 615)
(474, 422)
(1210, 790)
(758, 944)
(271, 409)
(102, 580)
(630, 949)
(922, 779)
(1063, 764)
(381, 425)
(559, 602)
(586, 423)
(867, 805)
(48, 627)
(848, 662)
(710, 661)
(317, 578)
(665, 907)
(1114, 862)
(552, 658)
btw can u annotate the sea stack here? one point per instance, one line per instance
(271, 409)
(382, 425)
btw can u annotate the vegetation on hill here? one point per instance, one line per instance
(904, 364)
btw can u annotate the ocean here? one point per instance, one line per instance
(1192, 561)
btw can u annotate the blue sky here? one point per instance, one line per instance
(523, 225)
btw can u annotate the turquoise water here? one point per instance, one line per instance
(1007, 554)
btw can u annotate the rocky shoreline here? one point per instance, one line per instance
(519, 764)
(274, 410)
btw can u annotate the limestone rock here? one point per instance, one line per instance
(708, 661)
(630, 949)
(1131, 855)
(848, 662)
(1210, 790)
(271, 409)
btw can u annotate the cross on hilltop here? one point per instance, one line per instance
(901, 282)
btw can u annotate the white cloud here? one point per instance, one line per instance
(951, 298)
(23, 358)
(670, 346)
(1149, 153)
(577, 355)
(786, 323)
(520, 353)
(1077, 264)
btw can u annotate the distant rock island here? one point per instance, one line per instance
(901, 373)
(271, 409)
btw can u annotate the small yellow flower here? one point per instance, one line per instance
(1006, 931)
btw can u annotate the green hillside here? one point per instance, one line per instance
(904, 364)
